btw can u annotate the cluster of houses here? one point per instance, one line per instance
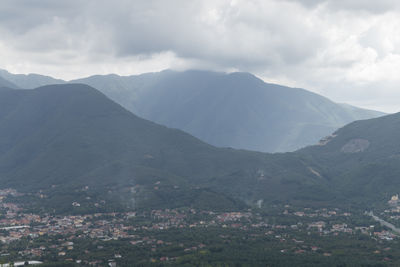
(324, 212)
(15, 224)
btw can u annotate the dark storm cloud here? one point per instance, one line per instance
(221, 32)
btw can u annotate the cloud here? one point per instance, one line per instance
(227, 32)
(335, 47)
(371, 6)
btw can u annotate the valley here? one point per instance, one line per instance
(229, 133)
(188, 236)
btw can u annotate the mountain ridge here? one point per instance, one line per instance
(29, 81)
(235, 110)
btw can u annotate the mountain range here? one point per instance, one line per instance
(235, 110)
(71, 142)
(29, 81)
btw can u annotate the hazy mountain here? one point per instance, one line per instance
(29, 81)
(227, 110)
(60, 138)
(230, 110)
(6, 84)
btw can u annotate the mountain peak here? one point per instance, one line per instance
(230, 109)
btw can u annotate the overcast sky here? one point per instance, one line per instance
(347, 50)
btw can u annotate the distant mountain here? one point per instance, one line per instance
(230, 110)
(227, 110)
(61, 138)
(29, 81)
(6, 84)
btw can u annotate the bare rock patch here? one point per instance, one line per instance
(355, 146)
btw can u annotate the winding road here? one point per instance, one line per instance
(383, 222)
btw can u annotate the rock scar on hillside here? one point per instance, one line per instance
(355, 146)
(326, 139)
(314, 172)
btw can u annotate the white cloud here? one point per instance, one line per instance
(346, 50)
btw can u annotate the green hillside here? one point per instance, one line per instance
(62, 138)
(362, 159)
(70, 143)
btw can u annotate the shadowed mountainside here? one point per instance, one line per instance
(70, 136)
(230, 110)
